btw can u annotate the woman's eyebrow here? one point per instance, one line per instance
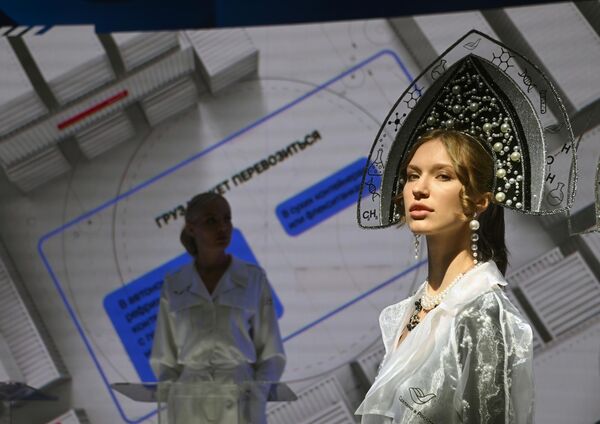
(435, 166)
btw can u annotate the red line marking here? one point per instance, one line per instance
(82, 115)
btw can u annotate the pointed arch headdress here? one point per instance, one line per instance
(497, 97)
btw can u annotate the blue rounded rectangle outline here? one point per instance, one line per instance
(57, 231)
(322, 200)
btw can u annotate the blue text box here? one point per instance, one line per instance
(323, 199)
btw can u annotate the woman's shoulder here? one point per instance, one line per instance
(182, 273)
(492, 309)
(250, 271)
(250, 267)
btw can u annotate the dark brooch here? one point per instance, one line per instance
(414, 319)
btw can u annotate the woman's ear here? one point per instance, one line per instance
(483, 202)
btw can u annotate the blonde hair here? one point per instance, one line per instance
(474, 167)
(194, 207)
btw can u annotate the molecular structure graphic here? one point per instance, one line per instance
(527, 80)
(439, 69)
(398, 119)
(413, 95)
(502, 60)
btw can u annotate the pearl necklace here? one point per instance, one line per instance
(431, 301)
(427, 302)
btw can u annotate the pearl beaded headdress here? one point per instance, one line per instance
(468, 104)
(498, 99)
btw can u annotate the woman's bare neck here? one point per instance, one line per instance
(447, 258)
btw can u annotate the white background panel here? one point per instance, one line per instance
(331, 265)
(561, 49)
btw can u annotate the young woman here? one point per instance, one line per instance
(217, 321)
(467, 139)
(457, 351)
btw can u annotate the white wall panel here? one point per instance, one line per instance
(71, 60)
(369, 361)
(318, 397)
(170, 100)
(558, 33)
(139, 48)
(37, 362)
(444, 29)
(105, 134)
(19, 103)
(565, 295)
(38, 169)
(225, 55)
(136, 86)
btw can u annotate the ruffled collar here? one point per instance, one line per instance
(475, 282)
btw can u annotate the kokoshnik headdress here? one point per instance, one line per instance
(496, 97)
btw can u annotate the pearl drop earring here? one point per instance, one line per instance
(474, 226)
(417, 245)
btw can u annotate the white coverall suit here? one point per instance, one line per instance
(229, 336)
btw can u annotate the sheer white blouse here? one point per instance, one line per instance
(468, 361)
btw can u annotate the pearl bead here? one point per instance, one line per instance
(507, 186)
(515, 156)
(487, 127)
(498, 146)
(456, 109)
(501, 173)
(431, 120)
(474, 247)
(473, 106)
(474, 225)
(500, 197)
(475, 237)
(511, 180)
(504, 127)
(509, 202)
(456, 89)
(519, 178)
(519, 205)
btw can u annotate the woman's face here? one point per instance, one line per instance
(212, 227)
(432, 200)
